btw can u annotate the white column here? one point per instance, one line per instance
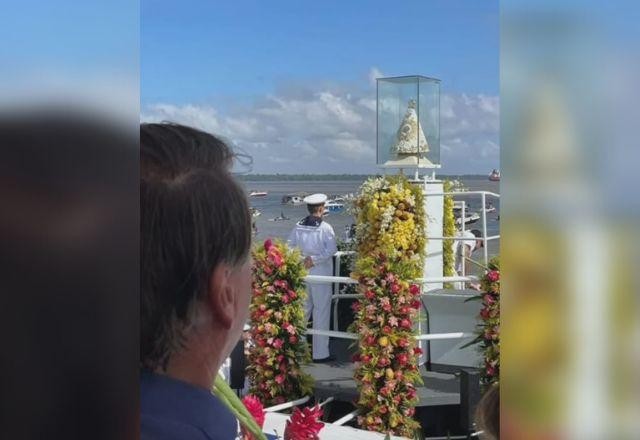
(434, 209)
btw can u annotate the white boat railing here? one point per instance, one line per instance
(336, 280)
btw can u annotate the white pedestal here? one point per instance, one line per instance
(434, 209)
(433, 264)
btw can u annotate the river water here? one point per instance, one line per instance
(270, 206)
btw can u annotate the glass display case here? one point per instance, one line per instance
(408, 122)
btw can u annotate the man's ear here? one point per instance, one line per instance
(221, 297)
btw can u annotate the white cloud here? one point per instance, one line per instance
(373, 74)
(333, 131)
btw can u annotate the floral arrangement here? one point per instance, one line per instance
(304, 424)
(277, 347)
(390, 241)
(449, 230)
(489, 327)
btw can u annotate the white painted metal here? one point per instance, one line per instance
(355, 336)
(352, 415)
(287, 405)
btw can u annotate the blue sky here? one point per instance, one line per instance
(245, 67)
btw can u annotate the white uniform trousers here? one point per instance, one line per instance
(318, 306)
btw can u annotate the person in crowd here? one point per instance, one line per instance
(464, 249)
(195, 235)
(317, 242)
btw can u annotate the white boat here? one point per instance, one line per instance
(334, 205)
(468, 219)
(494, 176)
(293, 199)
(490, 208)
(258, 193)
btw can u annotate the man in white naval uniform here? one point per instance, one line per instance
(317, 242)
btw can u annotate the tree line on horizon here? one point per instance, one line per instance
(326, 177)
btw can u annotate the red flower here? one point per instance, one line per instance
(293, 339)
(395, 288)
(365, 358)
(402, 359)
(414, 289)
(355, 306)
(304, 425)
(405, 323)
(292, 294)
(386, 330)
(371, 340)
(369, 294)
(402, 342)
(416, 304)
(256, 410)
(275, 257)
(285, 299)
(278, 343)
(280, 378)
(417, 350)
(493, 276)
(267, 244)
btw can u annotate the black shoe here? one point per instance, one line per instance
(324, 360)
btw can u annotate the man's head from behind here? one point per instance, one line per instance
(195, 232)
(478, 234)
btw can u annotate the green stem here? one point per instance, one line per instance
(235, 405)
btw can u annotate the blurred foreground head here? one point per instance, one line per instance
(69, 251)
(195, 230)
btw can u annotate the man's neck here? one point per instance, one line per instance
(197, 364)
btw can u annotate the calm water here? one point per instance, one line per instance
(271, 206)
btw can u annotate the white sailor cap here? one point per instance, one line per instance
(315, 199)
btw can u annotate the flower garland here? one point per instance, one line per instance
(489, 327)
(278, 348)
(390, 240)
(449, 230)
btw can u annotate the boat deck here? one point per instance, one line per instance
(335, 380)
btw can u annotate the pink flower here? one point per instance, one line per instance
(493, 276)
(402, 359)
(280, 378)
(285, 299)
(386, 330)
(393, 321)
(292, 294)
(416, 304)
(402, 342)
(355, 306)
(267, 244)
(414, 289)
(293, 339)
(395, 288)
(369, 294)
(405, 323)
(278, 343)
(290, 329)
(386, 307)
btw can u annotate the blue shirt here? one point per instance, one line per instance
(174, 410)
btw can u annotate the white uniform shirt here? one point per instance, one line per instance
(459, 246)
(317, 242)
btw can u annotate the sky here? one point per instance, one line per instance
(292, 83)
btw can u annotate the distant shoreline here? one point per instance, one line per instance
(330, 177)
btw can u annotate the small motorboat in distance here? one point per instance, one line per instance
(258, 193)
(494, 176)
(489, 208)
(293, 199)
(255, 212)
(468, 219)
(334, 205)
